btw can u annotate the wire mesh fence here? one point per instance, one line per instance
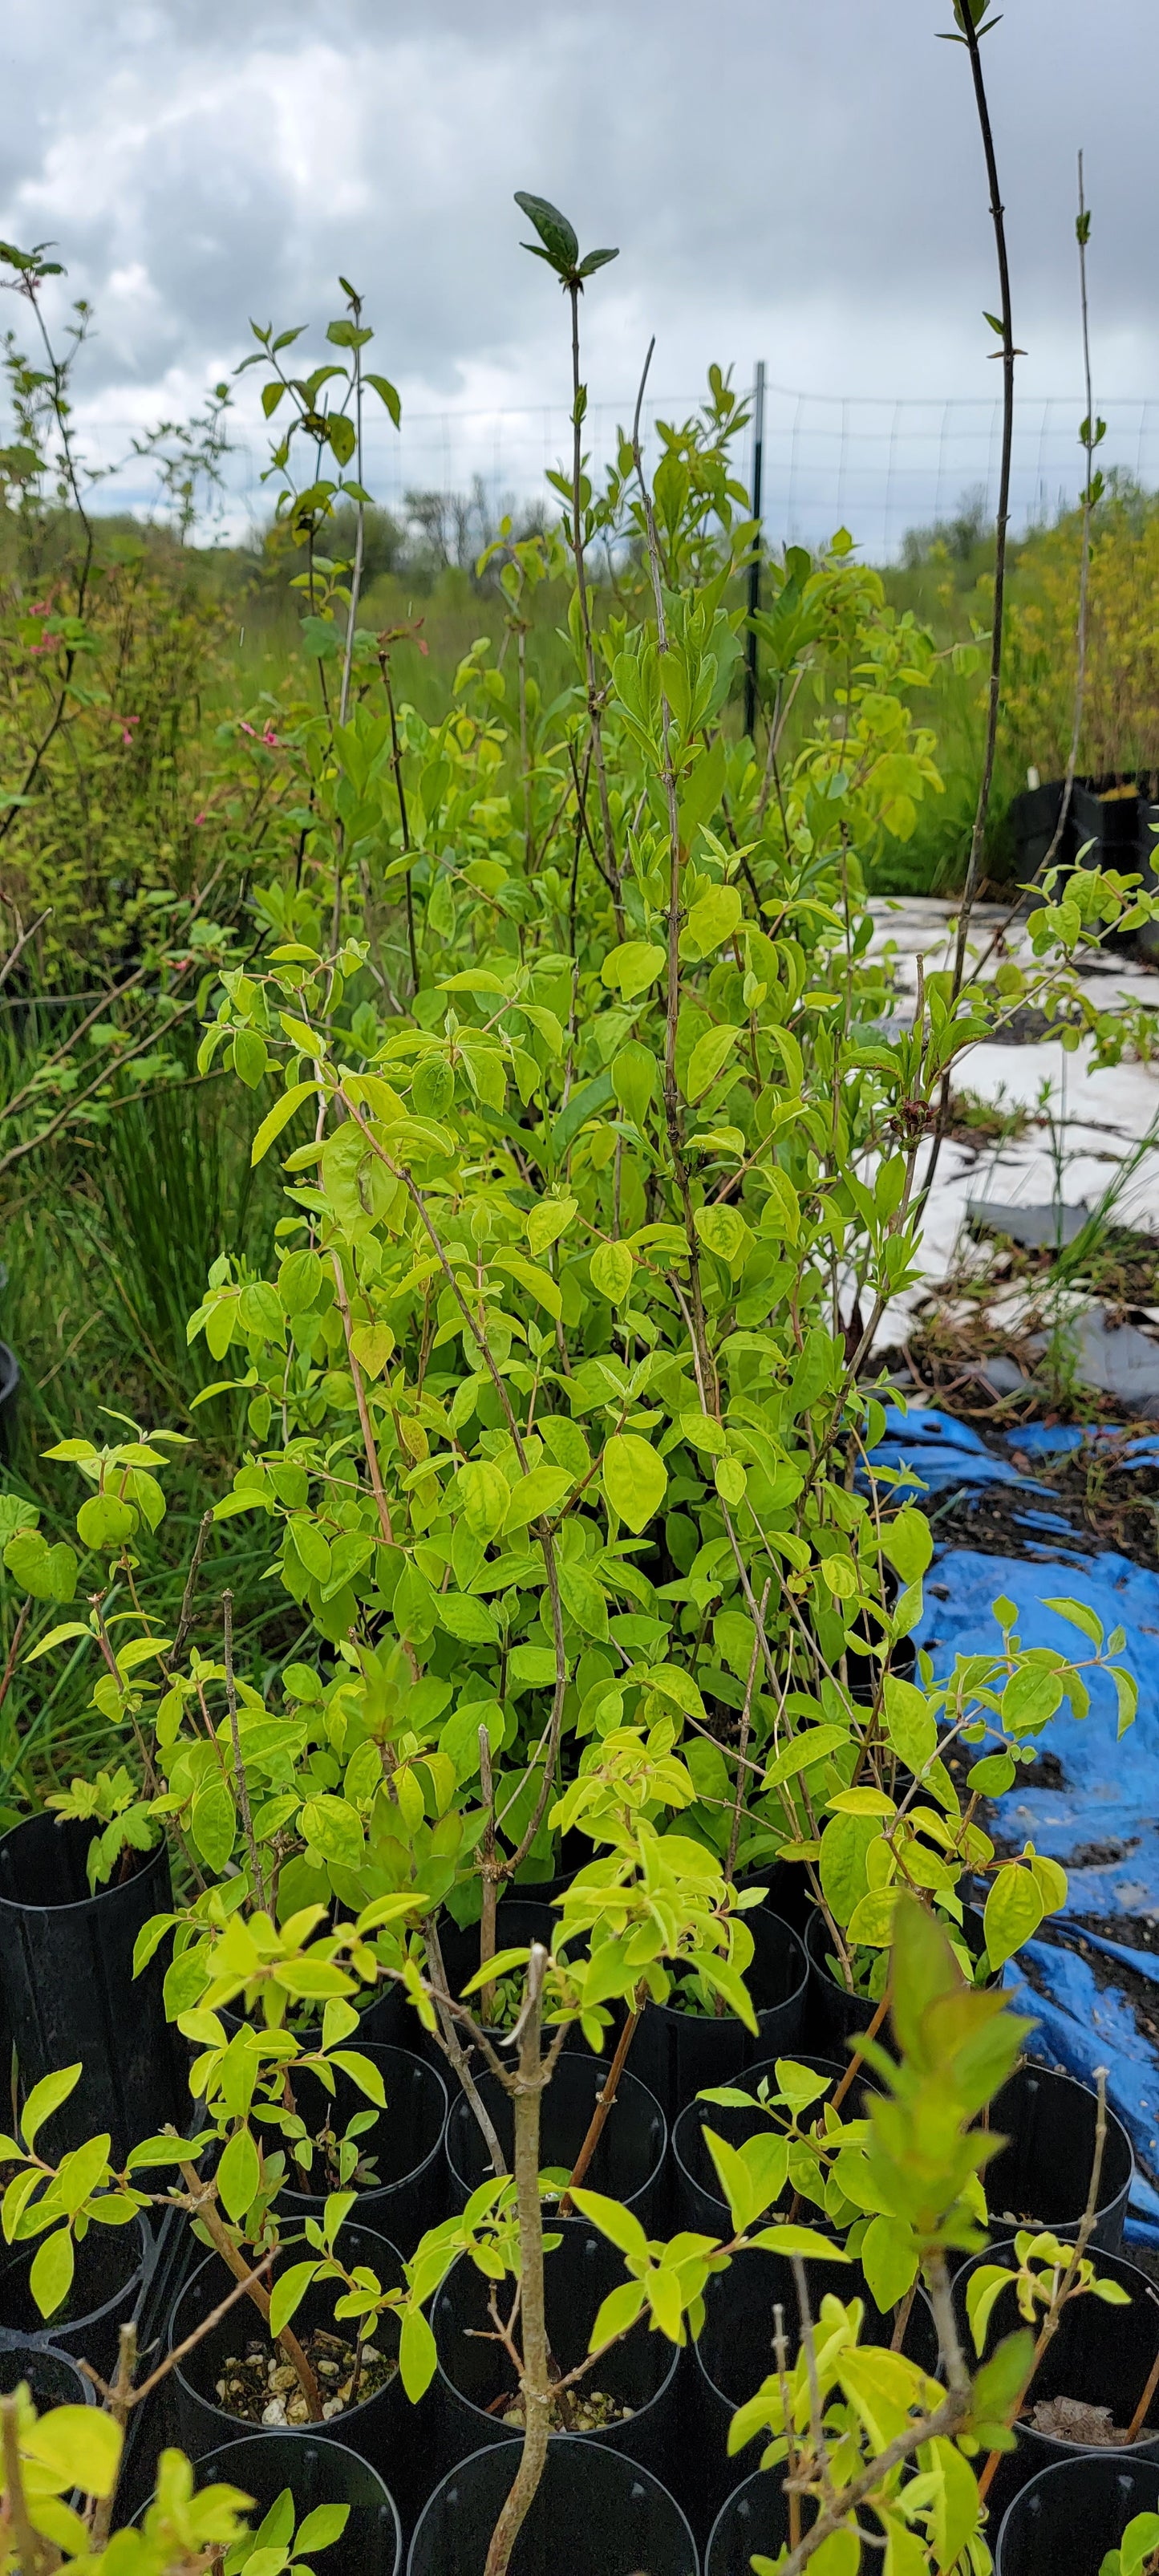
(875, 465)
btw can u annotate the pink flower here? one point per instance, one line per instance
(126, 724)
(200, 818)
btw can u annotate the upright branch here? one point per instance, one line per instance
(971, 18)
(1090, 435)
(559, 246)
(527, 2086)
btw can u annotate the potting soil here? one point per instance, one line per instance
(1091, 1800)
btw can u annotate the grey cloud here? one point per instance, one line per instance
(806, 180)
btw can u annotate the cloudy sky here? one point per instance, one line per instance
(794, 179)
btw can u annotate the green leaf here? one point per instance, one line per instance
(321, 2528)
(537, 1496)
(45, 2098)
(635, 1480)
(383, 387)
(50, 2278)
(612, 1266)
(1014, 1910)
(238, 2175)
(279, 1116)
(1079, 1615)
(79, 2445)
(907, 1542)
(889, 2260)
(711, 920)
(465, 1618)
(105, 1521)
(555, 232)
(631, 968)
(708, 1060)
(288, 2292)
(485, 1494)
(613, 2221)
(48, 1573)
(418, 2357)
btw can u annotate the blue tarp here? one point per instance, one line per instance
(1102, 1821)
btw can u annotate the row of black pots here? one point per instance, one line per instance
(1068, 2517)
(66, 1968)
(1041, 2177)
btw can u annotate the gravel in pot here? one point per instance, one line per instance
(381, 2424)
(627, 2403)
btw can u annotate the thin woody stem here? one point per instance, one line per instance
(239, 1769)
(205, 2209)
(369, 1443)
(535, 2381)
(29, 2552)
(604, 2102)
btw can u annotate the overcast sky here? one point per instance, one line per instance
(795, 179)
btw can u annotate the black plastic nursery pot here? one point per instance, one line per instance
(405, 2145)
(1065, 2521)
(699, 2203)
(627, 2163)
(316, 2473)
(1106, 811)
(385, 2020)
(835, 2016)
(384, 2429)
(52, 2378)
(112, 2266)
(1041, 2179)
(676, 2054)
(518, 1923)
(733, 2354)
(570, 1853)
(755, 2517)
(640, 2372)
(596, 2514)
(1033, 821)
(66, 1967)
(1100, 2355)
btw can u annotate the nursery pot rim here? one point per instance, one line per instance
(639, 2414)
(460, 2109)
(491, 2451)
(1106, 2197)
(729, 2505)
(212, 2405)
(19, 1905)
(137, 2230)
(1065, 2468)
(709, 2020)
(843, 2286)
(1146, 2443)
(747, 2077)
(218, 2461)
(290, 2198)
